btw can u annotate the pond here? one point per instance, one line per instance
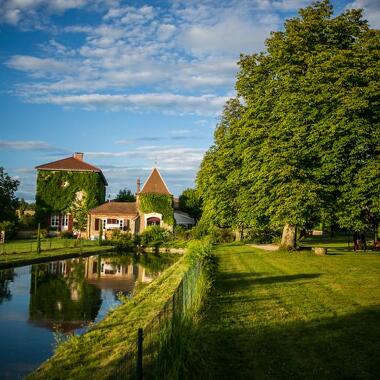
(40, 303)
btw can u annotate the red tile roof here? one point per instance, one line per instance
(116, 208)
(155, 184)
(73, 164)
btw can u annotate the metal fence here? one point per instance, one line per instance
(157, 344)
(46, 244)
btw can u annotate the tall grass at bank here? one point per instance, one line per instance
(174, 344)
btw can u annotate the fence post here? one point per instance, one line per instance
(139, 359)
(39, 238)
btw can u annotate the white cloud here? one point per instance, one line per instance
(38, 66)
(173, 159)
(371, 11)
(183, 55)
(29, 145)
(231, 35)
(15, 11)
(199, 105)
(165, 31)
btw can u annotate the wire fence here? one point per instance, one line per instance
(28, 246)
(157, 344)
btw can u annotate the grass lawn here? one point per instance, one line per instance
(281, 315)
(24, 251)
(30, 245)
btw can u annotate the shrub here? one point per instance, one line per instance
(261, 235)
(221, 235)
(43, 233)
(9, 228)
(154, 236)
(66, 235)
(180, 233)
(26, 221)
(124, 241)
(199, 251)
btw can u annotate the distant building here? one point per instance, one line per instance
(63, 183)
(129, 216)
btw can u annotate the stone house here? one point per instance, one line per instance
(129, 216)
(64, 183)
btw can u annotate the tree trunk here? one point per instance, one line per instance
(288, 240)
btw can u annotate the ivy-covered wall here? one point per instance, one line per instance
(56, 191)
(160, 203)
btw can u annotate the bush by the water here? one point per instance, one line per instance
(200, 251)
(122, 240)
(154, 236)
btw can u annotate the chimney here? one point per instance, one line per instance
(78, 156)
(138, 185)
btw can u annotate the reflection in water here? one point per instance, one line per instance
(66, 295)
(60, 298)
(110, 273)
(6, 276)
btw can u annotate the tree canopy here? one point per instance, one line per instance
(125, 195)
(300, 142)
(190, 202)
(8, 200)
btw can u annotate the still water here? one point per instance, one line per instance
(40, 302)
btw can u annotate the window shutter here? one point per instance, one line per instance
(96, 224)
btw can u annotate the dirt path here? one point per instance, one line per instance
(265, 247)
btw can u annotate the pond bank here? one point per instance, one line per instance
(11, 260)
(42, 302)
(103, 346)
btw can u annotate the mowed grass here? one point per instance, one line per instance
(25, 251)
(281, 315)
(30, 245)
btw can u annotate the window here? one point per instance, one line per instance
(112, 221)
(65, 220)
(54, 221)
(153, 221)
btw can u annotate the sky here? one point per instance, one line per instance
(132, 84)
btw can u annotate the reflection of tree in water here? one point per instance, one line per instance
(6, 276)
(155, 263)
(60, 296)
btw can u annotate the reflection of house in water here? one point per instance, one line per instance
(60, 297)
(105, 273)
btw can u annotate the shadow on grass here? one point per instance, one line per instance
(237, 281)
(331, 251)
(341, 347)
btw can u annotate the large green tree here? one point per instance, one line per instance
(8, 200)
(301, 140)
(190, 202)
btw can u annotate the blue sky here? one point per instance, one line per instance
(129, 83)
